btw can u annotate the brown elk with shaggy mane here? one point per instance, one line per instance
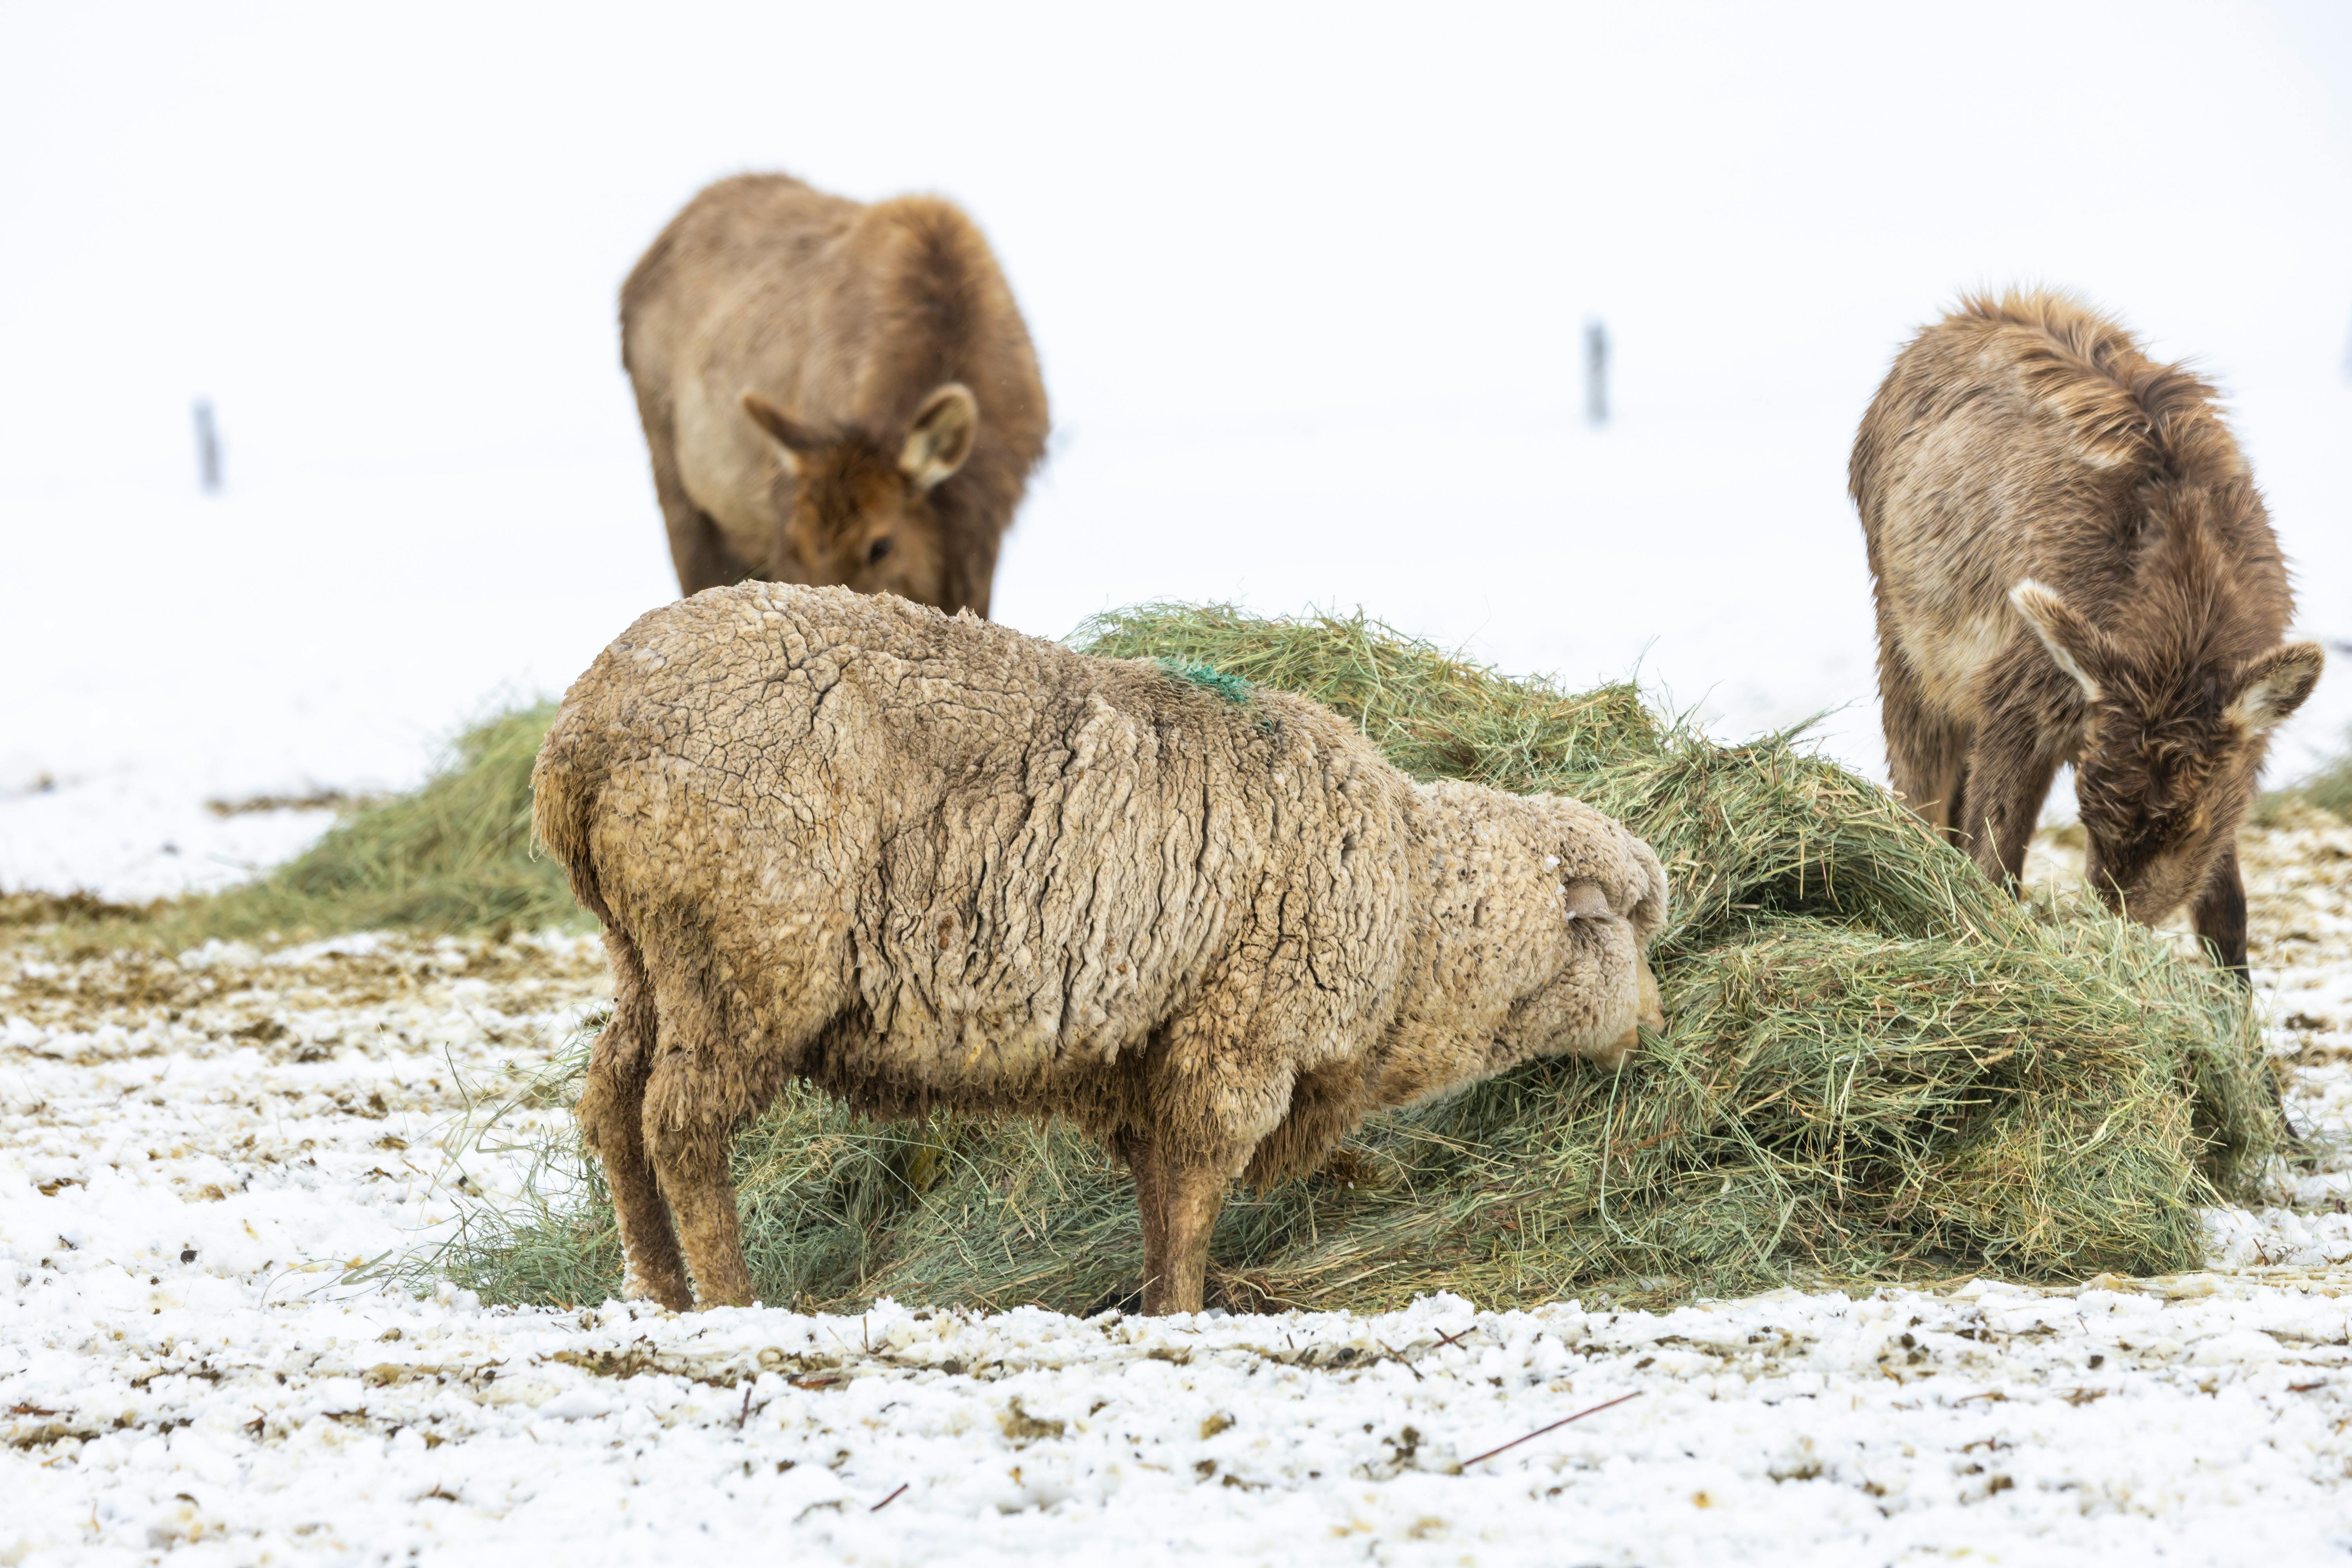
(832, 393)
(2073, 565)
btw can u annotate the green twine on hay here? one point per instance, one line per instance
(1231, 688)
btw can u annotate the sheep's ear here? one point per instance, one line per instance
(941, 435)
(2079, 647)
(2275, 686)
(794, 442)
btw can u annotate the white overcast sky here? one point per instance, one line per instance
(1306, 283)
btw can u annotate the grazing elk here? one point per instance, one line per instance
(2073, 565)
(832, 393)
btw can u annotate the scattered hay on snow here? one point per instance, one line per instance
(1878, 1067)
(453, 857)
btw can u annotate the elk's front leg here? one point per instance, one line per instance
(2220, 913)
(1927, 754)
(2009, 776)
(696, 547)
(700, 554)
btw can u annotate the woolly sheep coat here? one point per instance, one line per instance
(919, 860)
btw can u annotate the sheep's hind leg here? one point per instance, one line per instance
(689, 1126)
(611, 1115)
(693, 1166)
(711, 1075)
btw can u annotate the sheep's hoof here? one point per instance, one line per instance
(1614, 1053)
(712, 1301)
(675, 1297)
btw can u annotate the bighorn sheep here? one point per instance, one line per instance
(919, 860)
(831, 392)
(2073, 565)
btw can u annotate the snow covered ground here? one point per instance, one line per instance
(194, 1151)
(1309, 301)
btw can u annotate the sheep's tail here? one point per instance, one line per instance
(565, 784)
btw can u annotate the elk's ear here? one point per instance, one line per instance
(794, 441)
(2079, 647)
(2275, 686)
(941, 438)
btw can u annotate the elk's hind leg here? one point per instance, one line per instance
(612, 1116)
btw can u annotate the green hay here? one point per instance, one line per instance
(453, 856)
(456, 856)
(1877, 1067)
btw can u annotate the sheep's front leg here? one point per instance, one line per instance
(1192, 1192)
(1143, 1162)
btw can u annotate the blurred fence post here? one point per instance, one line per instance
(1596, 374)
(208, 453)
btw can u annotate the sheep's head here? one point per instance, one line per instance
(1612, 902)
(2172, 742)
(859, 509)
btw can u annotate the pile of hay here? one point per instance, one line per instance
(453, 856)
(1878, 1066)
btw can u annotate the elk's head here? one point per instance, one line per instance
(2171, 745)
(859, 509)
